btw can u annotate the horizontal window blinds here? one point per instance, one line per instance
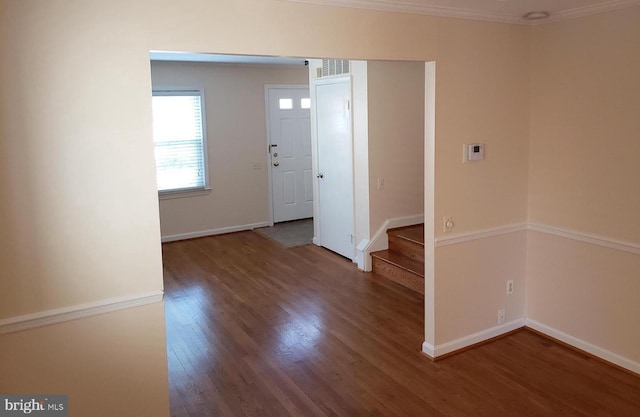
(178, 136)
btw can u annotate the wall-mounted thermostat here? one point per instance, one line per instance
(474, 152)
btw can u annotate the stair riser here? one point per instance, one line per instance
(407, 248)
(398, 275)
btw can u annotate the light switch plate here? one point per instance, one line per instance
(473, 152)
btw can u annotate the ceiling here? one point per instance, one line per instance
(509, 11)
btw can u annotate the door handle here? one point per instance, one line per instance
(320, 175)
(275, 164)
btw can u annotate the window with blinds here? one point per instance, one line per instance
(179, 139)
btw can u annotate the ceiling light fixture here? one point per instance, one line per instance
(536, 15)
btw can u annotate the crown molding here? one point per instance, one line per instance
(429, 10)
(442, 11)
(607, 6)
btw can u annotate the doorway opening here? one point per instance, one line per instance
(240, 161)
(289, 161)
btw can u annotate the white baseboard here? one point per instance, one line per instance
(478, 337)
(212, 232)
(44, 318)
(466, 341)
(585, 346)
(428, 349)
(361, 256)
(379, 240)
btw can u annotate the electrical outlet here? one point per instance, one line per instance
(510, 287)
(448, 224)
(501, 316)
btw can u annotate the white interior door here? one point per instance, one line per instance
(335, 165)
(290, 152)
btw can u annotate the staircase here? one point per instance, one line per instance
(403, 262)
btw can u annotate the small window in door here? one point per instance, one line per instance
(286, 104)
(305, 103)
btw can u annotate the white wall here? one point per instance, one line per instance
(236, 140)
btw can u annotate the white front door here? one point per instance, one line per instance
(290, 152)
(335, 165)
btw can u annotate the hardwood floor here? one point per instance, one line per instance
(255, 329)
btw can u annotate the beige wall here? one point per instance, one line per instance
(585, 92)
(585, 291)
(585, 177)
(482, 93)
(78, 216)
(76, 155)
(237, 138)
(109, 365)
(396, 139)
(471, 285)
(482, 90)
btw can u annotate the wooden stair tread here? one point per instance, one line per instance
(400, 261)
(413, 233)
(403, 262)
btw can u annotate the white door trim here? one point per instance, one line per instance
(268, 87)
(332, 80)
(429, 202)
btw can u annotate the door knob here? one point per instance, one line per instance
(275, 164)
(320, 175)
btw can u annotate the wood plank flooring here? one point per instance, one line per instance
(254, 329)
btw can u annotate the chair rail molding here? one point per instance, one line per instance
(59, 315)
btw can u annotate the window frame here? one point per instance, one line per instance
(178, 91)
